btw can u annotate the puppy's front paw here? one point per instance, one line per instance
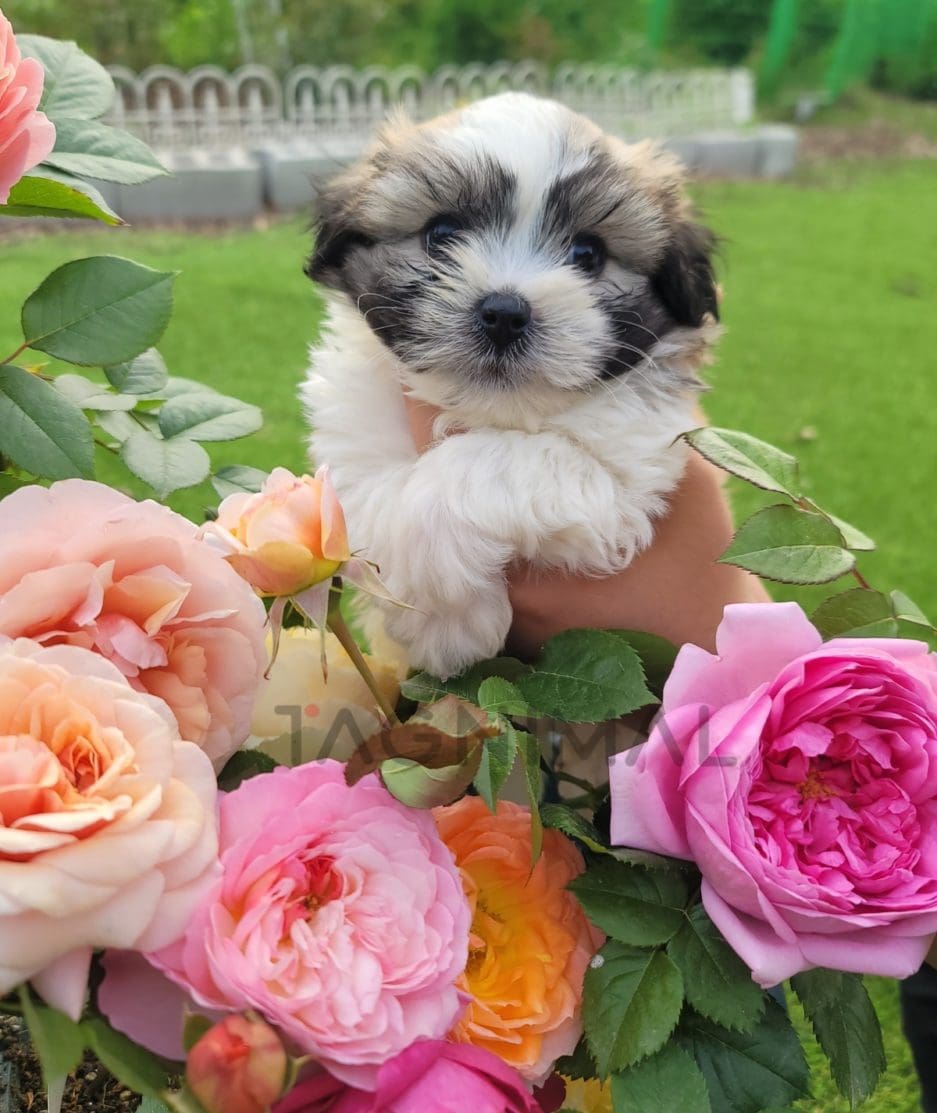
(447, 642)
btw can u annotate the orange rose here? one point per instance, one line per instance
(289, 536)
(530, 942)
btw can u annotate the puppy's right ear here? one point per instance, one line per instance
(336, 232)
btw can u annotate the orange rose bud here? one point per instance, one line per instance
(289, 536)
(238, 1066)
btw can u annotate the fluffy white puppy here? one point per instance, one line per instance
(546, 286)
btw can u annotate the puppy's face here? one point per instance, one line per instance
(512, 249)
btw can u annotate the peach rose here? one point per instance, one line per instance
(84, 565)
(530, 942)
(26, 134)
(108, 834)
(288, 537)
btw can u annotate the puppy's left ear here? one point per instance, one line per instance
(336, 231)
(684, 280)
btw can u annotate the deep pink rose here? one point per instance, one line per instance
(82, 564)
(108, 832)
(26, 135)
(801, 777)
(340, 917)
(432, 1076)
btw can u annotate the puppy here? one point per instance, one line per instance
(546, 287)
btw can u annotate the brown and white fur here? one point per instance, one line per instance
(565, 391)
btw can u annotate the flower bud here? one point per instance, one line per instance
(238, 1066)
(288, 537)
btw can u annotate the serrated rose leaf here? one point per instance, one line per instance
(98, 311)
(790, 546)
(41, 430)
(640, 907)
(586, 676)
(669, 1080)
(631, 1004)
(748, 458)
(847, 1028)
(716, 981)
(90, 149)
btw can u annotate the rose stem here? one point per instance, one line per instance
(336, 623)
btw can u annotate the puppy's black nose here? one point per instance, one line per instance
(504, 317)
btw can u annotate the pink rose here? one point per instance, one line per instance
(429, 1077)
(84, 565)
(289, 536)
(801, 777)
(340, 917)
(107, 819)
(26, 135)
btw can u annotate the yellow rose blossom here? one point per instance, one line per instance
(587, 1096)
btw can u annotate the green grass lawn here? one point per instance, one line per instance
(831, 334)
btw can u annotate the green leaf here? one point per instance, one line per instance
(41, 431)
(166, 466)
(579, 1064)
(426, 688)
(242, 765)
(90, 149)
(747, 1072)
(847, 1028)
(669, 1080)
(586, 676)
(75, 84)
(209, 417)
(657, 656)
(152, 1105)
(498, 696)
(748, 458)
(571, 823)
(138, 1069)
(858, 612)
(235, 480)
(119, 425)
(906, 610)
(634, 906)
(58, 1040)
(143, 375)
(10, 483)
(631, 1003)
(716, 981)
(98, 311)
(497, 761)
(91, 396)
(791, 546)
(854, 538)
(529, 747)
(44, 193)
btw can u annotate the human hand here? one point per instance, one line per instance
(674, 589)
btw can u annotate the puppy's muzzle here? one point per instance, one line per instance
(504, 318)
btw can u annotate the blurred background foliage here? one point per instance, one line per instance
(823, 45)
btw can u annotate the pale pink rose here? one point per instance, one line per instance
(340, 918)
(288, 537)
(430, 1077)
(107, 819)
(82, 564)
(802, 779)
(26, 135)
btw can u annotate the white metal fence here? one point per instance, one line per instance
(210, 109)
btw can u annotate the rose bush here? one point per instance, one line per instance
(434, 1076)
(530, 942)
(26, 134)
(339, 916)
(801, 777)
(107, 819)
(82, 564)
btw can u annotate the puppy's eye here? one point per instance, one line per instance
(587, 253)
(439, 233)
